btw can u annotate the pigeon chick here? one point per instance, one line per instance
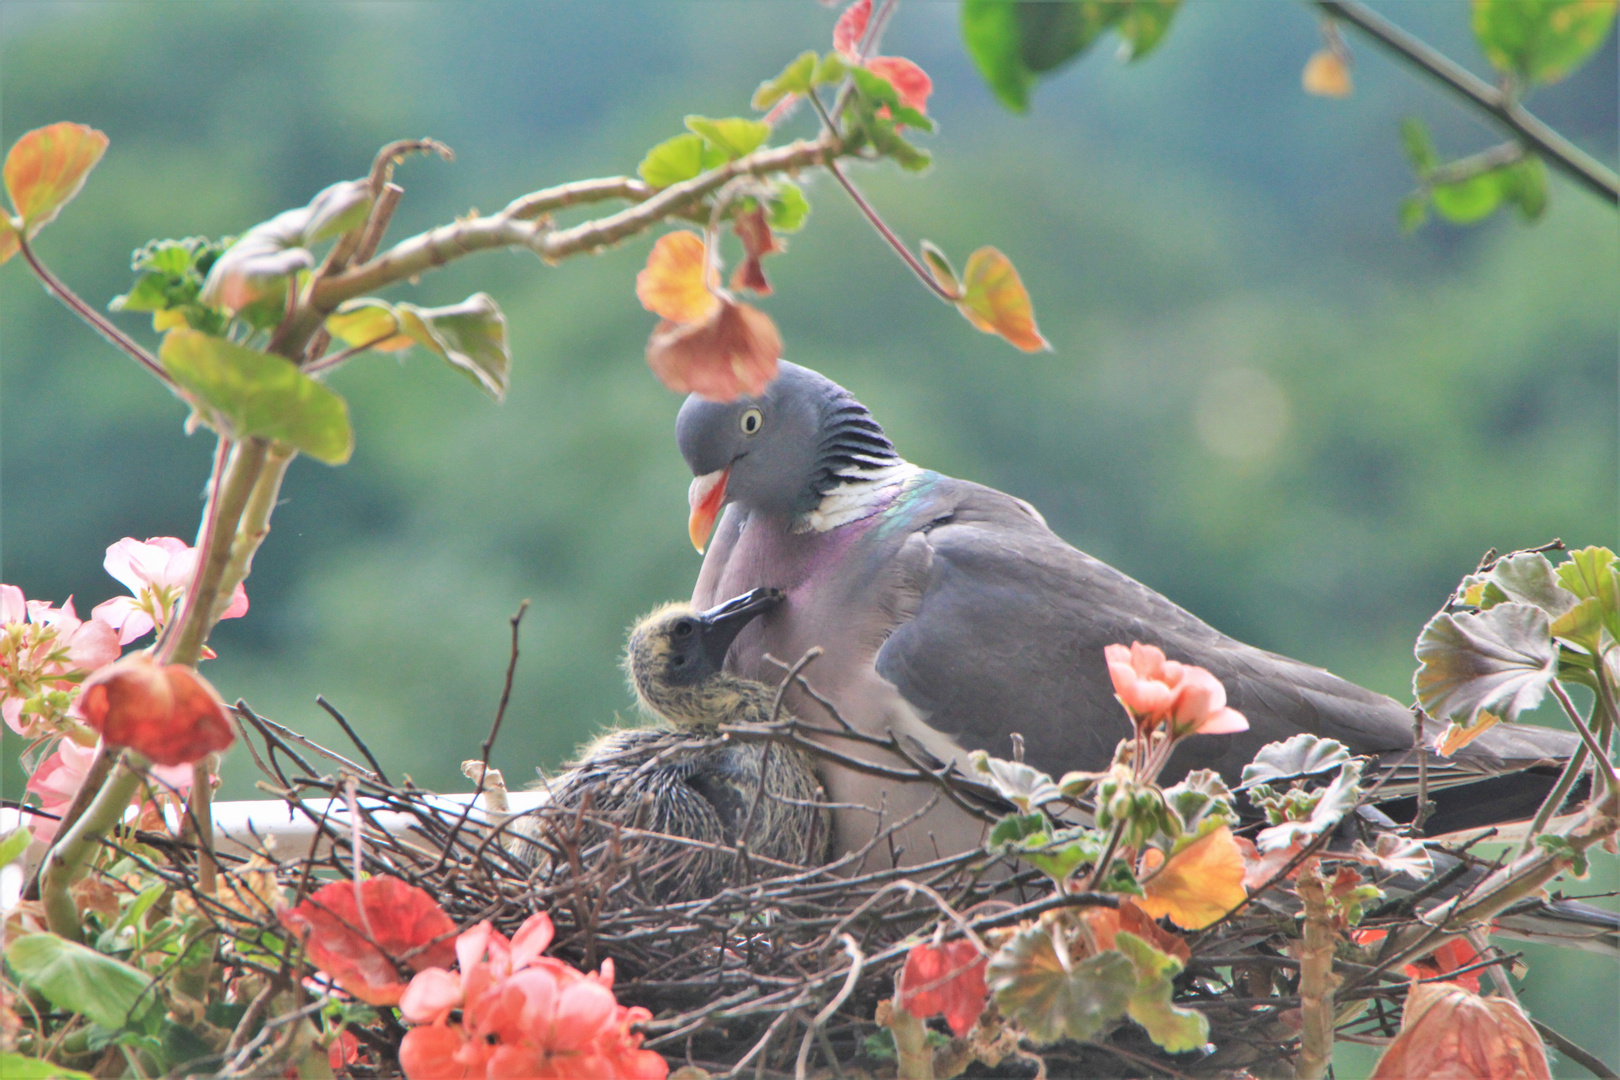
(707, 794)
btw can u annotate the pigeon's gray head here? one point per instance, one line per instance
(779, 452)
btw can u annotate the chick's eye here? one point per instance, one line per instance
(683, 629)
(752, 420)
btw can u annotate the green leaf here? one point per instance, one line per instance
(17, 1067)
(1301, 755)
(1592, 574)
(734, 136)
(80, 980)
(337, 209)
(1467, 201)
(796, 78)
(1173, 1028)
(1500, 660)
(1054, 997)
(1525, 185)
(1061, 854)
(681, 158)
(1524, 577)
(788, 207)
(470, 335)
(1144, 24)
(830, 69)
(1201, 796)
(1327, 810)
(1562, 848)
(1022, 785)
(991, 33)
(1015, 827)
(1541, 41)
(1419, 146)
(15, 843)
(256, 393)
(370, 322)
(875, 88)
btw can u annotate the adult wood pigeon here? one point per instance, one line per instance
(951, 615)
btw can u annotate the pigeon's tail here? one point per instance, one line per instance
(1569, 923)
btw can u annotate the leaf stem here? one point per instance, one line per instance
(1502, 107)
(98, 322)
(1555, 798)
(1610, 781)
(883, 230)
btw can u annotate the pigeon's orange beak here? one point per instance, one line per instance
(706, 496)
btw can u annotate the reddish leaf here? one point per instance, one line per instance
(169, 714)
(948, 980)
(8, 239)
(994, 300)
(1104, 923)
(1199, 884)
(47, 167)
(755, 232)
(675, 283)
(909, 81)
(405, 925)
(1448, 1033)
(734, 351)
(851, 28)
(1454, 954)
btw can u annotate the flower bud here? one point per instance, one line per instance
(169, 714)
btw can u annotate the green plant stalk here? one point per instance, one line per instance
(1555, 798)
(1316, 979)
(97, 775)
(254, 525)
(68, 860)
(241, 475)
(1610, 782)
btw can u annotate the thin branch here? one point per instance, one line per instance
(96, 319)
(1563, 154)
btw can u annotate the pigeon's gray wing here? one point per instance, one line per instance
(1007, 631)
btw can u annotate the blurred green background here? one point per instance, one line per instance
(1263, 400)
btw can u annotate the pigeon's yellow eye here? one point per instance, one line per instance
(751, 421)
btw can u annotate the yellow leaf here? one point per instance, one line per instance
(46, 168)
(1327, 75)
(1457, 736)
(1198, 884)
(168, 319)
(368, 322)
(8, 238)
(675, 283)
(995, 301)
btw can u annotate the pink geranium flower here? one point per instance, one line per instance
(61, 775)
(1186, 698)
(157, 571)
(45, 648)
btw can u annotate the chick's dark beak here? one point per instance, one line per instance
(721, 625)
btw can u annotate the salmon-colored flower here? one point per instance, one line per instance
(522, 1015)
(358, 943)
(944, 980)
(1449, 1033)
(157, 571)
(43, 649)
(168, 713)
(1186, 698)
(60, 776)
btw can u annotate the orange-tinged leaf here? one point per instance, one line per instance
(1448, 1033)
(734, 351)
(1457, 736)
(1104, 923)
(46, 168)
(995, 301)
(1327, 75)
(1199, 884)
(674, 285)
(909, 81)
(8, 238)
(851, 27)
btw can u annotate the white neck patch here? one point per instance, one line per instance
(863, 493)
